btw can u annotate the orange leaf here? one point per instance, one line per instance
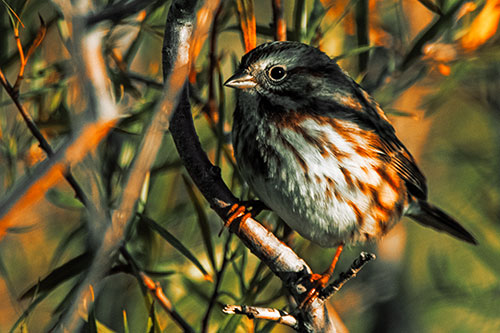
(444, 69)
(483, 27)
(38, 39)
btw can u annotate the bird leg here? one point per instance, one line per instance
(319, 281)
(242, 211)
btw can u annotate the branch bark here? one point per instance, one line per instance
(289, 267)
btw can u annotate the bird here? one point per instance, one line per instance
(320, 152)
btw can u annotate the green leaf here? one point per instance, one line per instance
(434, 29)
(355, 52)
(27, 312)
(172, 240)
(430, 5)
(63, 199)
(300, 20)
(315, 18)
(62, 245)
(62, 273)
(91, 321)
(202, 220)
(231, 325)
(152, 327)
(66, 302)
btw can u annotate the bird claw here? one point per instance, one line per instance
(318, 282)
(242, 211)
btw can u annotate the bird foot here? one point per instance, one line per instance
(318, 282)
(242, 211)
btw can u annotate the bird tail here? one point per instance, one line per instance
(434, 217)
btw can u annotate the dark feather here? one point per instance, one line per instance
(434, 217)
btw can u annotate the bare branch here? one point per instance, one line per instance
(254, 312)
(356, 266)
(280, 258)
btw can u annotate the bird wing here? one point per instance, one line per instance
(395, 153)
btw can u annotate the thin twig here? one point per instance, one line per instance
(79, 193)
(279, 20)
(254, 312)
(22, 59)
(215, 293)
(159, 295)
(146, 80)
(356, 266)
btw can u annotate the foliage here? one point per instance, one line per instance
(434, 67)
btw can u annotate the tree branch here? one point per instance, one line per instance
(356, 266)
(254, 312)
(278, 257)
(79, 193)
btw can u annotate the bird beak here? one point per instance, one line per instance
(241, 80)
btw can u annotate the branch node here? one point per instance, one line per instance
(357, 265)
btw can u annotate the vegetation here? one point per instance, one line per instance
(84, 149)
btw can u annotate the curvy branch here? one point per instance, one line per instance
(289, 267)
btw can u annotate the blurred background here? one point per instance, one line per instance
(433, 65)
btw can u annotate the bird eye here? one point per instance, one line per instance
(277, 73)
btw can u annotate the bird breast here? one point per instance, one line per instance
(321, 175)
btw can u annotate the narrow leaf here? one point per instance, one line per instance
(12, 14)
(434, 29)
(300, 20)
(152, 319)
(62, 273)
(202, 220)
(432, 6)
(231, 325)
(91, 321)
(355, 52)
(40, 35)
(26, 312)
(62, 245)
(125, 323)
(63, 199)
(172, 240)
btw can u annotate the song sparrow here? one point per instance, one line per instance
(320, 152)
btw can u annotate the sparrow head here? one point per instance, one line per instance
(286, 72)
